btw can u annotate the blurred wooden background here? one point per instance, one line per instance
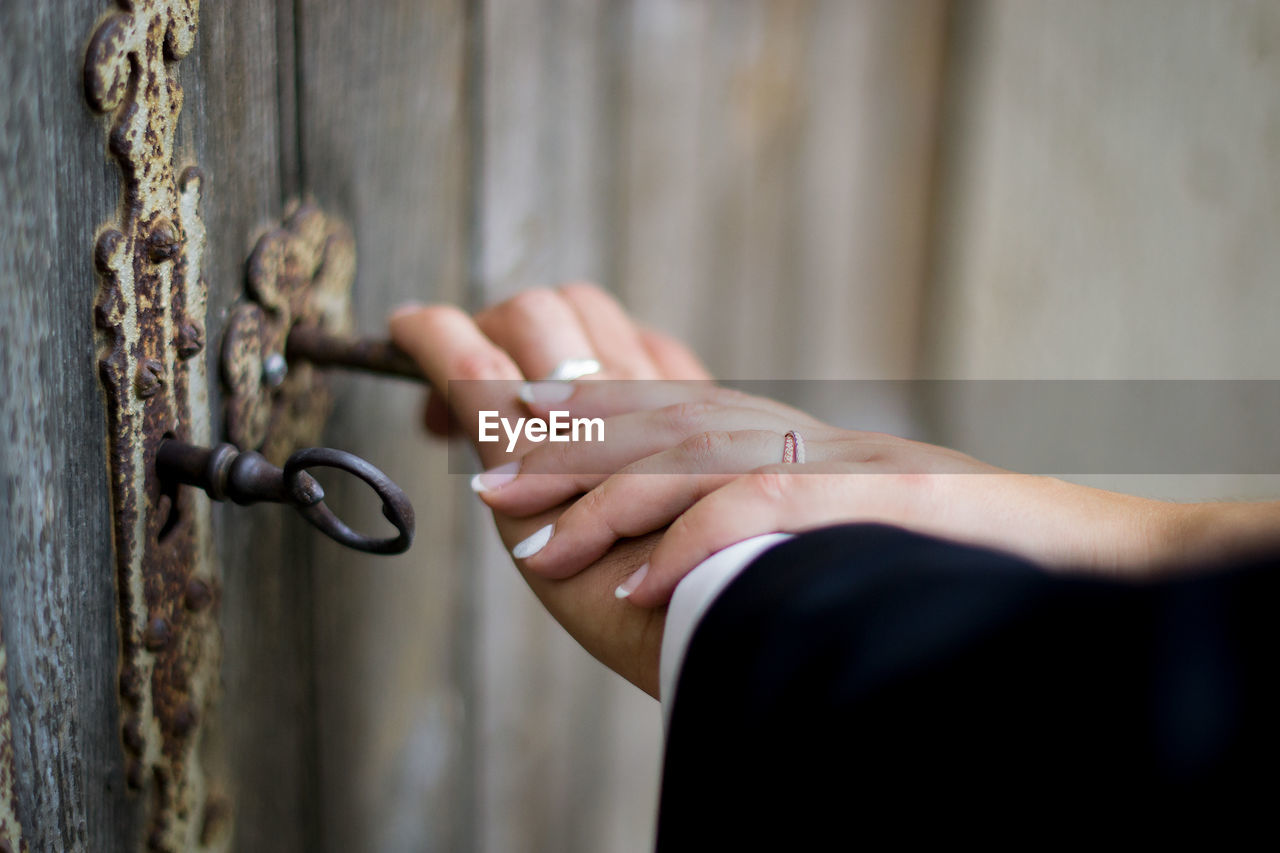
(800, 188)
(832, 189)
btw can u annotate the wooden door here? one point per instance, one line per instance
(686, 154)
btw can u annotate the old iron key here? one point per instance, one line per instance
(318, 347)
(246, 477)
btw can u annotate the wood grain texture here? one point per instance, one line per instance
(58, 592)
(774, 198)
(1109, 201)
(556, 726)
(56, 578)
(705, 161)
(264, 733)
(10, 828)
(384, 143)
(1112, 192)
(688, 156)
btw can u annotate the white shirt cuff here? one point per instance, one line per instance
(693, 596)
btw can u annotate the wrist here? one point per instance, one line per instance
(1209, 532)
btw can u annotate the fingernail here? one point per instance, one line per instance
(629, 585)
(532, 545)
(574, 368)
(495, 477)
(546, 392)
(405, 308)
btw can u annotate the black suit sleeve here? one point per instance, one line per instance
(862, 677)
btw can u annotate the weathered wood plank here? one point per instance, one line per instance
(56, 588)
(384, 143)
(688, 155)
(663, 208)
(263, 736)
(775, 185)
(1109, 202)
(549, 754)
(1112, 192)
(871, 83)
(10, 827)
(706, 129)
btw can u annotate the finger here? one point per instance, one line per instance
(626, 639)
(436, 416)
(610, 398)
(644, 497)
(614, 336)
(673, 359)
(553, 473)
(774, 499)
(458, 359)
(538, 329)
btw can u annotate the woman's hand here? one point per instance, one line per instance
(526, 337)
(540, 329)
(707, 463)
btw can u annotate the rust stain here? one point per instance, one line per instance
(299, 274)
(151, 313)
(10, 829)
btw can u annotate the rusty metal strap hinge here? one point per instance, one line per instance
(151, 314)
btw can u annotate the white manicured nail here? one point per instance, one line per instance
(495, 477)
(546, 392)
(574, 368)
(532, 545)
(629, 585)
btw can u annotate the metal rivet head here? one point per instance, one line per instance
(184, 719)
(274, 370)
(158, 634)
(162, 241)
(149, 379)
(190, 340)
(198, 596)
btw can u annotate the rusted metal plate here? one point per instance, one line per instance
(300, 273)
(10, 829)
(151, 314)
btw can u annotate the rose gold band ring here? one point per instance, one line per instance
(793, 448)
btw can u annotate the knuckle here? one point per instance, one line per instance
(685, 418)
(870, 455)
(705, 446)
(593, 503)
(555, 459)
(584, 290)
(862, 449)
(536, 301)
(559, 458)
(770, 484)
(440, 316)
(594, 507)
(480, 364)
(678, 531)
(540, 460)
(728, 397)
